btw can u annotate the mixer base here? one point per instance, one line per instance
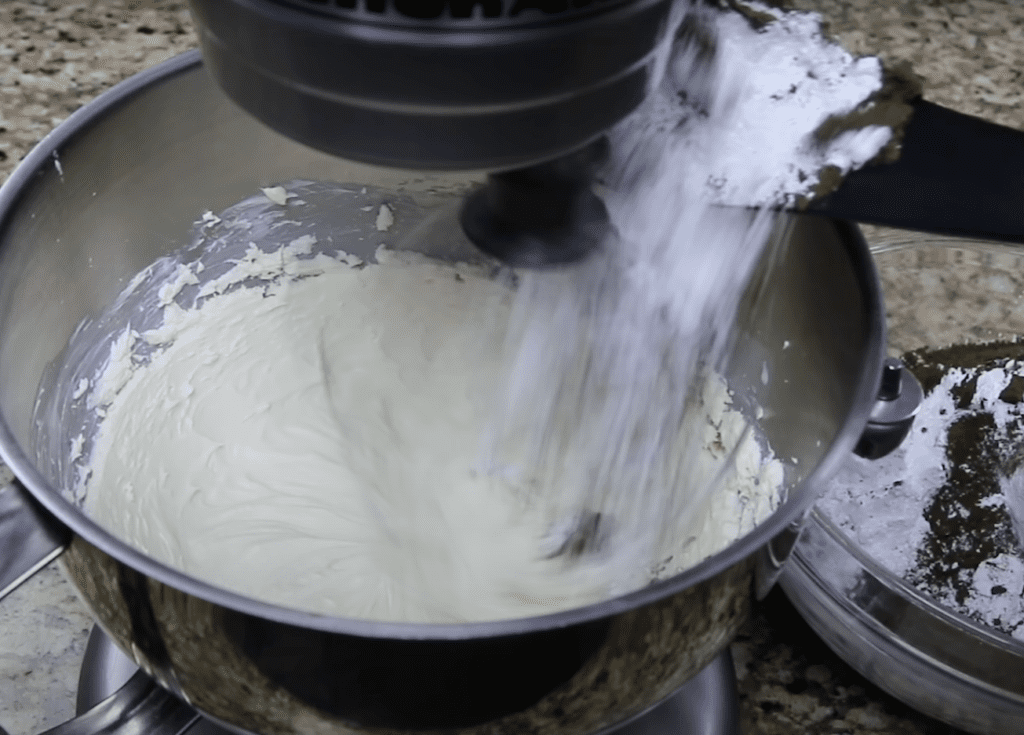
(706, 705)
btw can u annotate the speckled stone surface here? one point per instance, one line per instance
(43, 630)
(57, 55)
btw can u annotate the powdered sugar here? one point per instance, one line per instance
(937, 510)
(996, 595)
(749, 115)
(879, 502)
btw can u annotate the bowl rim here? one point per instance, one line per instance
(922, 600)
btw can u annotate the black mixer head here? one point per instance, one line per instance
(435, 84)
(517, 87)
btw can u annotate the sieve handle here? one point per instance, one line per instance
(30, 538)
(956, 175)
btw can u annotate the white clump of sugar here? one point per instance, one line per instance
(77, 444)
(301, 245)
(621, 341)
(209, 218)
(277, 194)
(80, 389)
(1005, 609)
(183, 276)
(385, 218)
(118, 369)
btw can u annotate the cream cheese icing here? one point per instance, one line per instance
(316, 442)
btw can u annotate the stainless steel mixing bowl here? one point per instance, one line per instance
(120, 184)
(938, 291)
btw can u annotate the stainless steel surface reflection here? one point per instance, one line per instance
(137, 168)
(706, 705)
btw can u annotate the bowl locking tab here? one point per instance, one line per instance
(899, 397)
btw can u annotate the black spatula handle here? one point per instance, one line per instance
(956, 175)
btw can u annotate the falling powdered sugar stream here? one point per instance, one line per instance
(611, 358)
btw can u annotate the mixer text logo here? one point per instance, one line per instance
(428, 9)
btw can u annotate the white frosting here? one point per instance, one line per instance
(316, 442)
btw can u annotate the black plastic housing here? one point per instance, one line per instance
(423, 85)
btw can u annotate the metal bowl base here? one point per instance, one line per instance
(706, 705)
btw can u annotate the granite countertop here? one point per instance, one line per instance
(57, 55)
